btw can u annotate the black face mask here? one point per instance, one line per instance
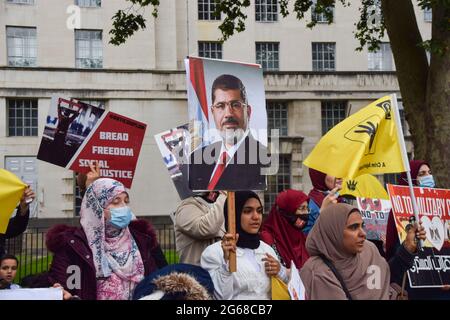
(292, 218)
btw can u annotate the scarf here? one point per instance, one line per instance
(246, 240)
(117, 260)
(289, 241)
(326, 238)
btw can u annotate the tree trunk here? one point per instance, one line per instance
(413, 77)
(438, 100)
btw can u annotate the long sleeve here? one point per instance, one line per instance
(400, 263)
(198, 225)
(212, 260)
(18, 224)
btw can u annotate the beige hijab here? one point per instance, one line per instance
(365, 274)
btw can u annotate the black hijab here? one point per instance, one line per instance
(246, 240)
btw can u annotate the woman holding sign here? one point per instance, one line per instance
(112, 251)
(256, 261)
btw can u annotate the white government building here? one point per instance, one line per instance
(313, 79)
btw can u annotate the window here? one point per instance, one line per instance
(277, 116)
(266, 10)
(333, 112)
(210, 50)
(22, 117)
(89, 3)
(323, 56)
(267, 55)
(206, 10)
(381, 60)
(22, 46)
(278, 182)
(30, 2)
(427, 14)
(88, 49)
(320, 17)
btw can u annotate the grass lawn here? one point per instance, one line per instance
(30, 265)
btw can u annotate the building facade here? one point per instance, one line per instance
(313, 79)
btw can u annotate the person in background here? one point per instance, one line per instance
(199, 222)
(18, 224)
(282, 229)
(323, 184)
(8, 271)
(421, 176)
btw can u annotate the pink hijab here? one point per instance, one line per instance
(117, 260)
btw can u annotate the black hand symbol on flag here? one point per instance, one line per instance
(365, 132)
(371, 130)
(386, 106)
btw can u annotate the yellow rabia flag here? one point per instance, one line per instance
(279, 289)
(369, 141)
(364, 186)
(11, 190)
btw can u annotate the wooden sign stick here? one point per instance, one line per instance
(232, 228)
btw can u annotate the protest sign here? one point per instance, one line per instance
(32, 294)
(77, 133)
(431, 267)
(228, 125)
(296, 287)
(173, 145)
(375, 213)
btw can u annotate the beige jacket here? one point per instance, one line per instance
(198, 224)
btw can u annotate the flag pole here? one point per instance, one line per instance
(401, 139)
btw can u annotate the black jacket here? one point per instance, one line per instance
(16, 226)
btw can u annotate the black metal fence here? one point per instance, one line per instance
(34, 257)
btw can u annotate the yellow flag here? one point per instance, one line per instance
(366, 142)
(11, 190)
(364, 186)
(279, 289)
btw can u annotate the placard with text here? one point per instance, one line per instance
(77, 133)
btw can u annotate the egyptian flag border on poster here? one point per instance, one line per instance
(428, 252)
(136, 141)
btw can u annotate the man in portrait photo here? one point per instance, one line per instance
(235, 161)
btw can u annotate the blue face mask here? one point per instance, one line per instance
(427, 181)
(121, 217)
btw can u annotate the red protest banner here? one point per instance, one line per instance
(77, 133)
(116, 144)
(431, 267)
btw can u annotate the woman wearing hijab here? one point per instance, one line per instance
(112, 251)
(282, 229)
(256, 261)
(421, 177)
(322, 185)
(338, 239)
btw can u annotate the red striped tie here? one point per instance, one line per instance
(219, 170)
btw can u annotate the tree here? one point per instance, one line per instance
(425, 88)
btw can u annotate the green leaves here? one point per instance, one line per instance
(126, 23)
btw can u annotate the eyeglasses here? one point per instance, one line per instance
(235, 105)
